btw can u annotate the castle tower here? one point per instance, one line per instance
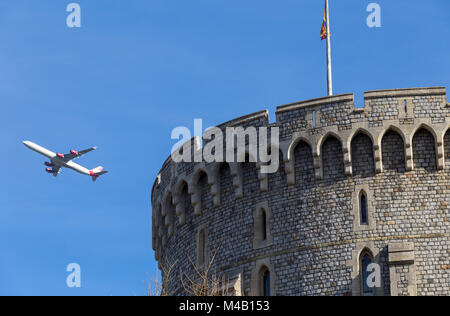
(355, 187)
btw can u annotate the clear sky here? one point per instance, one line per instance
(133, 72)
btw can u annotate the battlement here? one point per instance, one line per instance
(260, 118)
(318, 103)
(327, 148)
(337, 113)
(408, 92)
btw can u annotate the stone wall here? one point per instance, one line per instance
(395, 150)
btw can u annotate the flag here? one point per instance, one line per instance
(324, 30)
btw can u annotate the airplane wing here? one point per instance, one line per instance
(76, 154)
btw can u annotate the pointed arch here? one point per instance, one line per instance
(226, 186)
(426, 127)
(424, 149)
(363, 208)
(199, 188)
(332, 158)
(181, 200)
(263, 279)
(324, 138)
(365, 259)
(359, 131)
(168, 212)
(264, 276)
(294, 144)
(181, 182)
(303, 161)
(393, 155)
(200, 171)
(186, 203)
(446, 130)
(392, 128)
(362, 154)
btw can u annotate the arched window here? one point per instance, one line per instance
(363, 208)
(262, 216)
(201, 250)
(265, 282)
(264, 225)
(366, 259)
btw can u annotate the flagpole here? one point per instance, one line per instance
(329, 77)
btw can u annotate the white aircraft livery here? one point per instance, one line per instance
(58, 160)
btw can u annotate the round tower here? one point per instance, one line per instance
(355, 187)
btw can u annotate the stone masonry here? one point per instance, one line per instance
(395, 151)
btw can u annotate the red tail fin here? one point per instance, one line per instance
(97, 172)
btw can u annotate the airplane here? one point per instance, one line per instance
(58, 160)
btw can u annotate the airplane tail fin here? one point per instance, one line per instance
(97, 172)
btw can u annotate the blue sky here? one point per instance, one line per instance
(133, 72)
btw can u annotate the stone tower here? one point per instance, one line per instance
(355, 186)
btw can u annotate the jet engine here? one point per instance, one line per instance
(60, 155)
(49, 170)
(48, 164)
(74, 152)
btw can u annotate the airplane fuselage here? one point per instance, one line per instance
(56, 160)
